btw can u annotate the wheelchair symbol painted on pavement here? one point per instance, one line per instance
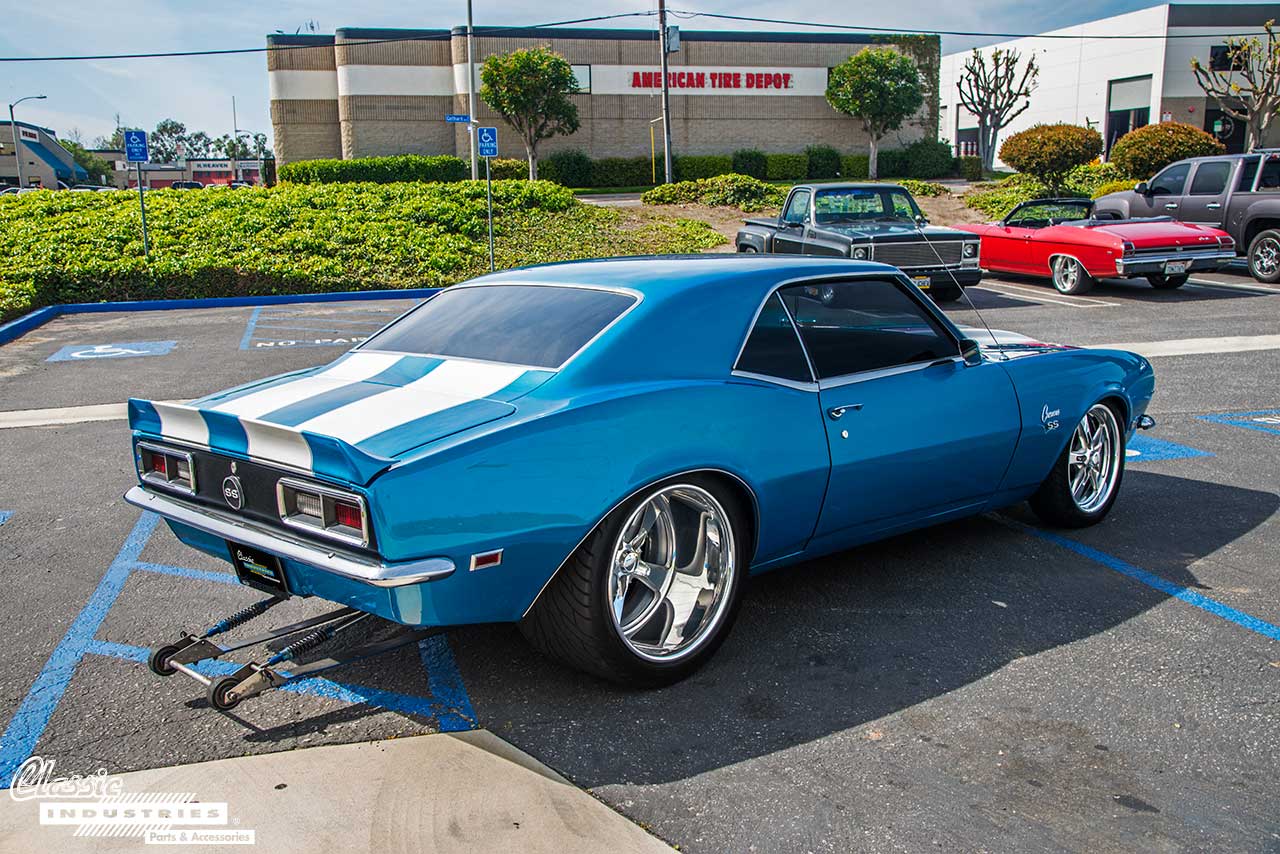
(88, 352)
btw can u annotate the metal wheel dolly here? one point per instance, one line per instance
(226, 692)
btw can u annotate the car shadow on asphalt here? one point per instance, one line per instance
(850, 638)
(1137, 289)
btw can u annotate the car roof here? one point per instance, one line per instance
(850, 185)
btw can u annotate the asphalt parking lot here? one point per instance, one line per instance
(985, 685)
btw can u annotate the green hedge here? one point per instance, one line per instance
(786, 167)
(693, 167)
(929, 158)
(853, 167)
(624, 172)
(570, 167)
(379, 170)
(970, 168)
(507, 169)
(750, 161)
(998, 198)
(1144, 151)
(303, 238)
(738, 191)
(823, 162)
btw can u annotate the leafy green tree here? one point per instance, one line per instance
(1248, 88)
(530, 88)
(880, 86)
(91, 163)
(1049, 152)
(163, 141)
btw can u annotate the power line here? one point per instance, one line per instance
(898, 31)
(488, 31)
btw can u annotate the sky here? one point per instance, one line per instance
(85, 97)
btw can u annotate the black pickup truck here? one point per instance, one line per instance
(1238, 193)
(873, 222)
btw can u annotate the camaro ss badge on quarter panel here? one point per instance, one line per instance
(232, 493)
(1049, 418)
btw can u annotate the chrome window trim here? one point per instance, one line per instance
(880, 373)
(782, 381)
(162, 449)
(312, 486)
(635, 295)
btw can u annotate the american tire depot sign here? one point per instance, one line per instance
(709, 80)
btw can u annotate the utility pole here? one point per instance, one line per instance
(666, 93)
(17, 152)
(471, 99)
(235, 141)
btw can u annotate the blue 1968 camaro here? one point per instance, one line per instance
(603, 451)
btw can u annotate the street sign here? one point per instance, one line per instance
(462, 118)
(488, 141)
(135, 146)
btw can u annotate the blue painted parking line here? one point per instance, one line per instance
(1177, 591)
(4, 516)
(1264, 420)
(448, 701)
(285, 328)
(1145, 449)
(125, 350)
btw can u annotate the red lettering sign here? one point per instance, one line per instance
(713, 80)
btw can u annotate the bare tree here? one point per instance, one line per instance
(1247, 85)
(995, 94)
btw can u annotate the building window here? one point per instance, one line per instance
(1128, 107)
(1224, 58)
(582, 75)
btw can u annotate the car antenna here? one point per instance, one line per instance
(963, 292)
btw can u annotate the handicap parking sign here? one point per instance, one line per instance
(135, 146)
(488, 141)
(90, 352)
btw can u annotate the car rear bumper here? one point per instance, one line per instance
(1145, 265)
(944, 279)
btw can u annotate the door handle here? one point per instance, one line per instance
(1171, 206)
(1213, 206)
(836, 412)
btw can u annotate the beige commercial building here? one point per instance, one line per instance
(366, 92)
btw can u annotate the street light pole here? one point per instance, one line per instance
(666, 94)
(13, 126)
(471, 97)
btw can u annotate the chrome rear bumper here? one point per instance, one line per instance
(1144, 264)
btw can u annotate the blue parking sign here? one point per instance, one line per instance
(487, 139)
(135, 146)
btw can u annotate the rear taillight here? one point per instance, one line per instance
(1226, 242)
(323, 510)
(166, 467)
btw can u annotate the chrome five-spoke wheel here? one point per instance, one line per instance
(673, 563)
(1264, 256)
(1069, 276)
(1093, 460)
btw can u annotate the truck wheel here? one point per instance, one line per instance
(1070, 276)
(1264, 256)
(1085, 480)
(1161, 282)
(941, 295)
(648, 597)
(747, 249)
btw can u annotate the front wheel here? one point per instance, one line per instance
(1070, 276)
(1085, 480)
(1264, 256)
(1161, 282)
(648, 597)
(747, 250)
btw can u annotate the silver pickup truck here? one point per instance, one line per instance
(1238, 193)
(872, 222)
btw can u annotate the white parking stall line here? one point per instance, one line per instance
(1198, 346)
(1205, 284)
(1023, 292)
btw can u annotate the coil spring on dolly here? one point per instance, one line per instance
(303, 644)
(242, 616)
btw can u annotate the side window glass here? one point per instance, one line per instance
(798, 207)
(1248, 169)
(1170, 181)
(864, 325)
(773, 348)
(1270, 177)
(1211, 178)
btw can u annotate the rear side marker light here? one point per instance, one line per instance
(166, 467)
(323, 510)
(486, 560)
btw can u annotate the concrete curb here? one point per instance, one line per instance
(449, 792)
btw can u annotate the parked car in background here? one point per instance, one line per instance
(1064, 240)
(873, 222)
(1239, 193)
(186, 185)
(500, 454)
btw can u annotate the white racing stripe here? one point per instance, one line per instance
(1195, 346)
(269, 441)
(182, 423)
(452, 383)
(355, 367)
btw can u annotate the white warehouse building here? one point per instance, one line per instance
(1115, 85)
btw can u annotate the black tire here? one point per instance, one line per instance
(1053, 501)
(158, 661)
(1161, 282)
(217, 693)
(941, 295)
(745, 249)
(1264, 256)
(571, 622)
(1070, 276)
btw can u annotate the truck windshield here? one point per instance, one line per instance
(849, 204)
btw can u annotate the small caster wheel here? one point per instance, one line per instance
(218, 693)
(159, 660)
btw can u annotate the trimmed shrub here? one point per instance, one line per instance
(929, 158)
(1144, 151)
(824, 162)
(1113, 187)
(854, 167)
(624, 172)
(691, 167)
(970, 168)
(1049, 152)
(749, 161)
(923, 188)
(738, 191)
(892, 163)
(378, 170)
(507, 169)
(570, 167)
(786, 167)
(996, 199)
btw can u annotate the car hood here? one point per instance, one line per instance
(893, 232)
(350, 419)
(1010, 345)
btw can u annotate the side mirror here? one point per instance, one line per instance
(1142, 189)
(921, 222)
(970, 352)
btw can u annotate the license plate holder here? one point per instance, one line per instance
(1175, 268)
(922, 282)
(255, 568)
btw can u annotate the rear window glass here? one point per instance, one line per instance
(529, 325)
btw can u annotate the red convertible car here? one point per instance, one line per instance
(1061, 239)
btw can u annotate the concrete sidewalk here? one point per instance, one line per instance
(456, 792)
